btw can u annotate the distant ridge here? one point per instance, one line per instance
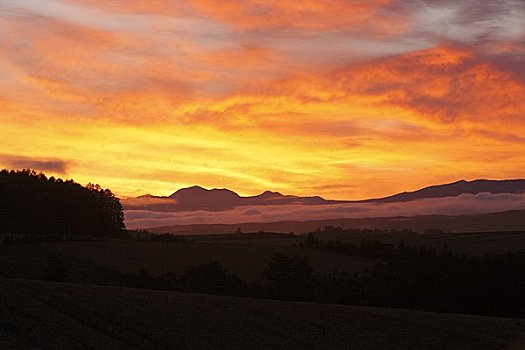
(512, 220)
(457, 188)
(220, 199)
(216, 199)
(197, 191)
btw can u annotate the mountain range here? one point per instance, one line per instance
(198, 198)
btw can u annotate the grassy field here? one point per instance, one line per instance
(30, 261)
(45, 315)
(248, 261)
(258, 238)
(243, 254)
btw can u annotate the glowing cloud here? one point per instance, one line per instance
(344, 99)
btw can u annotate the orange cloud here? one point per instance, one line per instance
(259, 14)
(319, 99)
(310, 15)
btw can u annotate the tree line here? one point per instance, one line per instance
(425, 279)
(403, 277)
(33, 204)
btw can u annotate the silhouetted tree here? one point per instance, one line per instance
(30, 203)
(212, 278)
(423, 278)
(289, 277)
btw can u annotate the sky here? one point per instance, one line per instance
(344, 99)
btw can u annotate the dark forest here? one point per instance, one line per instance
(51, 208)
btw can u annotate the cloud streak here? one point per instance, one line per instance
(53, 165)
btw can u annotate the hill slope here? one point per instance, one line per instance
(68, 316)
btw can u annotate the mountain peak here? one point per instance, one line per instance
(269, 194)
(219, 199)
(147, 195)
(198, 191)
(457, 188)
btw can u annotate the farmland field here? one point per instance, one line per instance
(49, 315)
(248, 261)
(245, 255)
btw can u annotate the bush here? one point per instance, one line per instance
(289, 277)
(212, 278)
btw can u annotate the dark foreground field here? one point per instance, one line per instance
(47, 315)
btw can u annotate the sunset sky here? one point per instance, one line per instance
(343, 99)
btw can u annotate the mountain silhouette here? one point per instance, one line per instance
(193, 192)
(199, 198)
(457, 188)
(216, 199)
